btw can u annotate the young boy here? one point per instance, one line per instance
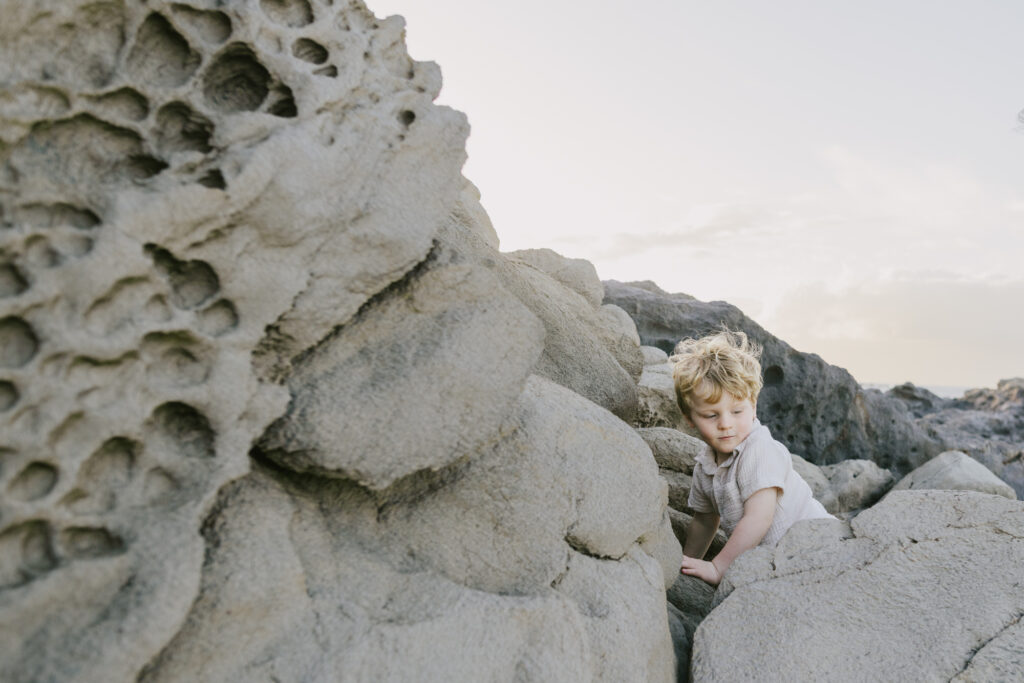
(744, 481)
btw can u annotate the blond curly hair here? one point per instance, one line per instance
(726, 361)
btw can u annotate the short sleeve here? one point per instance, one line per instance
(699, 499)
(763, 465)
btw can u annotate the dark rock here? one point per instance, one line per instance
(817, 410)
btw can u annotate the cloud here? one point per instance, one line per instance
(937, 327)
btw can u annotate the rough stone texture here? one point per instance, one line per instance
(269, 396)
(656, 395)
(672, 449)
(816, 479)
(577, 274)
(816, 409)
(689, 601)
(943, 566)
(581, 350)
(653, 355)
(955, 471)
(678, 490)
(857, 484)
(987, 424)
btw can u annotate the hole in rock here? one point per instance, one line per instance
(8, 395)
(158, 485)
(180, 129)
(33, 482)
(213, 179)
(90, 542)
(11, 281)
(161, 56)
(75, 246)
(236, 81)
(282, 103)
(329, 71)
(309, 51)
(294, 13)
(218, 319)
(47, 216)
(192, 282)
(125, 103)
(26, 552)
(210, 25)
(18, 343)
(182, 429)
(179, 367)
(142, 166)
(407, 117)
(40, 254)
(111, 465)
(91, 152)
(773, 376)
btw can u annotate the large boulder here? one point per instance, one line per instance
(955, 471)
(923, 586)
(818, 410)
(272, 401)
(856, 484)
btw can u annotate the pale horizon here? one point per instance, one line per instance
(848, 175)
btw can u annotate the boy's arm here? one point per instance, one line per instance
(758, 513)
(699, 534)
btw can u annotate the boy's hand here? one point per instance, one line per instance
(706, 571)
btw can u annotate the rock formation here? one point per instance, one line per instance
(818, 410)
(273, 405)
(986, 424)
(923, 586)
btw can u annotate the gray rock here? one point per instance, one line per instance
(653, 355)
(672, 449)
(919, 400)
(678, 489)
(689, 601)
(422, 415)
(579, 349)
(816, 479)
(999, 659)
(815, 409)
(857, 484)
(270, 401)
(577, 274)
(955, 471)
(657, 406)
(829, 600)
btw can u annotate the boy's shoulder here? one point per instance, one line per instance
(760, 443)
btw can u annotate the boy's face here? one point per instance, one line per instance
(724, 424)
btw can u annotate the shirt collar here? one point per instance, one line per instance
(707, 458)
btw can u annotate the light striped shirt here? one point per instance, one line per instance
(758, 462)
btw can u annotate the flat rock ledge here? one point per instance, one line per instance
(926, 585)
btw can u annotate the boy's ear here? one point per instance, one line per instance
(686, 416)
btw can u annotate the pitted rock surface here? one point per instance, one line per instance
(265, 409)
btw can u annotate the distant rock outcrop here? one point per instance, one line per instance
(818, 410)
(272, 404)
(987, 424)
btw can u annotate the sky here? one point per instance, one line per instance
(851, 175)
